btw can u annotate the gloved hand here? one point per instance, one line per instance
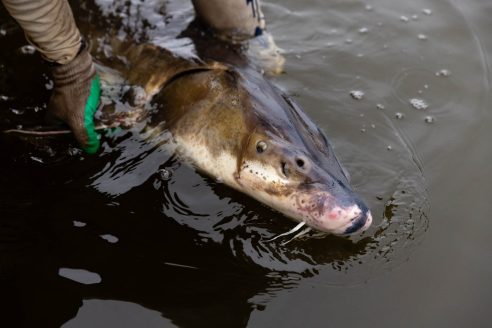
(75, 98)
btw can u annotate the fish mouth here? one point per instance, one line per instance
(359, 223)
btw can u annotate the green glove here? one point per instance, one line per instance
(75, 98)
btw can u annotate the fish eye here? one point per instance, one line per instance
(261, 146)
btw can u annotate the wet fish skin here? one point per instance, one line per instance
(235, 126)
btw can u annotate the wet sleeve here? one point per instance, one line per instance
(49, 26)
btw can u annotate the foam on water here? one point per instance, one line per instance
(357, 94)
(418, 103)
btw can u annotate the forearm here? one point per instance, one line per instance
(49, 26)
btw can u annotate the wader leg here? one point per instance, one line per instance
(242, 21)
(235, 20)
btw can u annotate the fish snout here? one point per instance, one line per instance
(341, 219)
(359, 223)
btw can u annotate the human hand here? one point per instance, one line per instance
(75, 99)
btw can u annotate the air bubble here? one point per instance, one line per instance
(368, 7)
(165, 174)
(49, 85)
(422, 37)
(380, 106)
(27, 50)
(415, 17)
(363, 30)
(389, 148)
(357, 94)
(427, 11)
(418, 103)
(3, 32)
(73, 151)
(399, 116)
(348, 41)
(443, 73)
(404, 19)
(429, 119)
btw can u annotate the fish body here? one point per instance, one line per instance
(235, 126)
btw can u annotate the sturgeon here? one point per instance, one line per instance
(235, 126)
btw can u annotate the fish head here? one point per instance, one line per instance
(288, 164)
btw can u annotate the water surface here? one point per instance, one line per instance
(134, 237)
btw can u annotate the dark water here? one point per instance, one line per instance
(112, 241)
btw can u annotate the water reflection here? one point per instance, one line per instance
(80, 275)
(112, 313)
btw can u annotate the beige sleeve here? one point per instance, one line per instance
(233, 19)
(49, 26)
